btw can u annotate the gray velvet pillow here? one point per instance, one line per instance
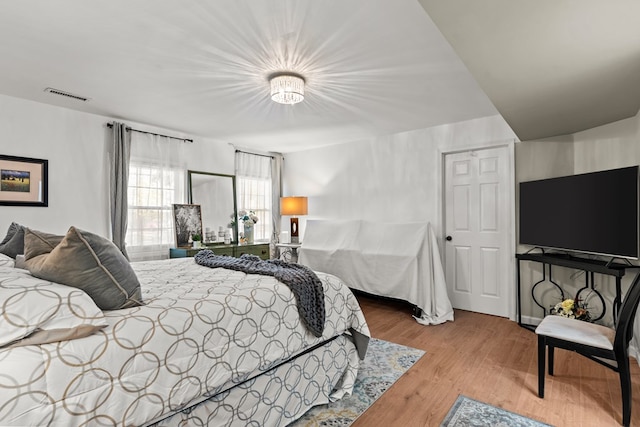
(13, 243)
(38, 243)
(10, 232)
(94, 264)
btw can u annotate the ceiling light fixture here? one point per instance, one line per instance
(287, 88)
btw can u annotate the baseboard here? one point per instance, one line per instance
(528, 320)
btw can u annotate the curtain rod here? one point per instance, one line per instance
(151, 133)
(255, 154)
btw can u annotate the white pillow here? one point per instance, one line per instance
(37, 311)
(6, 261)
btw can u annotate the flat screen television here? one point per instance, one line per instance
(595, 213)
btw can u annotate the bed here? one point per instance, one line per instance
(209, 346)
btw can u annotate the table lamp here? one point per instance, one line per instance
(293, 206)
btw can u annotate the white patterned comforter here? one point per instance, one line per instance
(201, 331)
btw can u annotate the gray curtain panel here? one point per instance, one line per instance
(276, 192)
(119, 182)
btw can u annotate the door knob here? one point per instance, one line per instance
(449, 238)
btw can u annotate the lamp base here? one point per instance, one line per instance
(294, 230)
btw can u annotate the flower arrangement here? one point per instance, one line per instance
(248, 218)
(571, 309)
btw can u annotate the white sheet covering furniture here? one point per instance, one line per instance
(210, 346)
(398, 260)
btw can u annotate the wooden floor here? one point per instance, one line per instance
(493, 360)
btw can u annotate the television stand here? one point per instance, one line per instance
(590, 266)
(628, 263)
(534, 248)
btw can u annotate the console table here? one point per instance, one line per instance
(234, 250)
(289, 250)
(590, 266)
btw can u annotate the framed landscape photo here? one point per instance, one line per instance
(23, 181)
(188, 221)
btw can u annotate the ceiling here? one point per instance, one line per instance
(373, 67)
(551, 67)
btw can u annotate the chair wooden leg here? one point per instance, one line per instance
(551, 359)
(625, 385)
(541, 373)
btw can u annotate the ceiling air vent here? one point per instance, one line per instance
(67, 94)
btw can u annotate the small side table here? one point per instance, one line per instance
(289, 250)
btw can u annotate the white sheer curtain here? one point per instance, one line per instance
(255, 191)
(156, 181)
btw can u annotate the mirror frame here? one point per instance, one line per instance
(235, 204)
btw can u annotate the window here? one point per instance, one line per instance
(152, 191)
(254, 191)
(254, 194)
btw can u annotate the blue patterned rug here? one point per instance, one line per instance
(467, 412)
(384, 363)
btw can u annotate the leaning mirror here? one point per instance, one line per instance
(215, 193)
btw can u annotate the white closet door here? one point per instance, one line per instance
(477, 228)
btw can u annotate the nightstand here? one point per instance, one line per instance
(289, 250)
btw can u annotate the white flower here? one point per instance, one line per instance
(570, 309)
(248, 218)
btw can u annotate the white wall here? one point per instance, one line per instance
(614, 145)
(394, 178)
(75, 144)
(546, 158)
(609, 146)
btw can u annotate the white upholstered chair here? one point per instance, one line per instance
(607, 346)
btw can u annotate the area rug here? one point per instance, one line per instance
(467, 412)
(384, 363)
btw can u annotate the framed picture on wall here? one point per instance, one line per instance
(188, 221)
(23, 181)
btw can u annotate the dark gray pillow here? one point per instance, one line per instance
(94, 264)
(13, 243)
(10, 232)
(38, 243)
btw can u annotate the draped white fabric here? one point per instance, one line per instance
(156, 181)
(254, 191)
(399, 260)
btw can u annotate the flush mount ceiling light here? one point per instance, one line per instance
(287, 88)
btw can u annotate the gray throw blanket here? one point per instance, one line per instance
(305, 285)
